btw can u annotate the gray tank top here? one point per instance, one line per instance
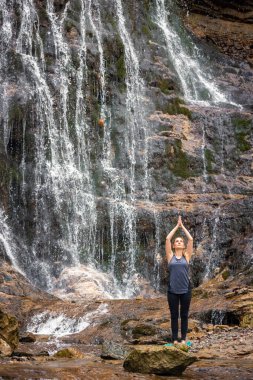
(179, 281)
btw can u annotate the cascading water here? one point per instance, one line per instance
(213, 257)
(61, 186)
(121, 201)
(59, 325)
(197, 85)
(7, 243)
(157, 256)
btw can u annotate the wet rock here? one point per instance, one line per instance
(28, 338)
(112, 350)
(9, 335)
(70, 353)
(158, 360)
(5, 348)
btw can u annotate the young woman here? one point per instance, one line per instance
(179, 286)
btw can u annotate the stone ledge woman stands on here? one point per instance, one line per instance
(179, 285)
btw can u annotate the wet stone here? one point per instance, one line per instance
(112, 350)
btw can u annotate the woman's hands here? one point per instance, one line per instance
(179, 222)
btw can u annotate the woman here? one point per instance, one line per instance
(179, 285)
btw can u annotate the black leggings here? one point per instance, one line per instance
(173, 301)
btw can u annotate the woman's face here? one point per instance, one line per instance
(179, 243)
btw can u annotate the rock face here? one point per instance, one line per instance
(228, 26)
(158, 360)
(9, 337)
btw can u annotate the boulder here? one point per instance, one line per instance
(159, 360)
(8, 334)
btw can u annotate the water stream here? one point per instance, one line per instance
(197, 82)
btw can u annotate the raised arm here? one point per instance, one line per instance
(168, 248)
(189, 248)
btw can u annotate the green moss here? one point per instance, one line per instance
(180, 165)
(225, 274)
(209, 160)
(145, 30)
(16, 113)
(241, 141)
(242, 131)
(69, 24)
(42, 13)
(175, 108)
(8, 174)
(121, 68)
(164, 86)
(198, 292)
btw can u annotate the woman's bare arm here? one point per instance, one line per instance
(168, 248)
(189, 248)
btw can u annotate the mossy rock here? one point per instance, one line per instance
(144, 329)
(197, 292)
(242, 132)
(180, 164)
(175, 107)
(247, 320)
(209, 160)
(225, 274)
(158, 360)
(70, 353)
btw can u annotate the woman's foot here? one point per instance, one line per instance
(183, 341)
(175, 342)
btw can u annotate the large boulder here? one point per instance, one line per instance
(8, 334)
(159, 360)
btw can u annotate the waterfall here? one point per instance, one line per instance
(75, 131)
(7, 243)
(59, 325)
(121, 206)
(203, 147)
(214, 258)
(58, 180)
(63, 186)
(217, 317)
(197, 83)
(157, 255)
